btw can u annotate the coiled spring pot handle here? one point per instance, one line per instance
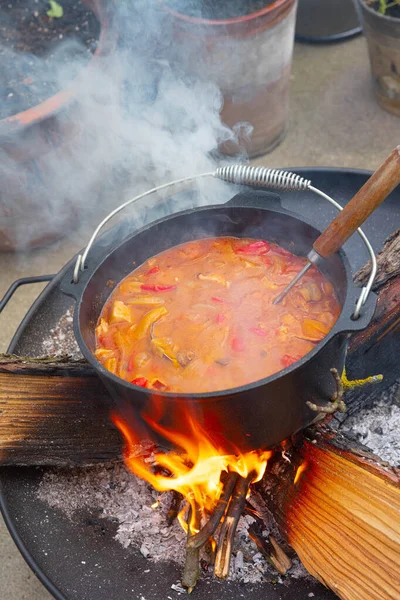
(273, 179)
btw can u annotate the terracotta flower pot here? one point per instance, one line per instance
(30, 143)
(249, 58)
(383, 38)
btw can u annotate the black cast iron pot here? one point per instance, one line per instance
(261, 414)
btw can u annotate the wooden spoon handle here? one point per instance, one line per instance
(367, 199)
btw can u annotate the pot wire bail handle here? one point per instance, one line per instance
(263, 177)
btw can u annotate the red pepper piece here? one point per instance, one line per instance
(258, 331)
(238, 344)
(288, 360)
(255, 248)
(216, 299)
(159, 385)
(131, 364)
(142, 381)
(153, 270)
(220, 318)
(157, 288)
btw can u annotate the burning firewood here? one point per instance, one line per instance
(229, 525)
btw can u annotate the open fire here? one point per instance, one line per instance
(213, 484)
(333, 502)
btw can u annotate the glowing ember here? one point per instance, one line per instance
(195, 472)
(300, 470)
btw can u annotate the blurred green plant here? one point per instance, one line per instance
(384, 5)
(56, 10)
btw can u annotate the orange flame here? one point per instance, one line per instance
(300, 470)
(196, 472)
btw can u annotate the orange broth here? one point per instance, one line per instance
(199, 317)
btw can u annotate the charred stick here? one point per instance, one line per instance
(228, 529)
(174, 507)
(256, 534)
(271, 550)
(280, 559)
(196, 541)
(192, 562)
(199, 539)
(268, 547)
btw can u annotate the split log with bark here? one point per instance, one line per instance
(338, 506)
(54, 412)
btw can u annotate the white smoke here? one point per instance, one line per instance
(139, 118)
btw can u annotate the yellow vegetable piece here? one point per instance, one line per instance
(102, 327)
(130, 287)
(124, 341)
(313, 330)
(283, 333)
(213, 277)
(270, 284)
(145, 300)
(163, 347)
(104, 353)
(120, 312)
(305, 292)
(149, 318)
(111, 365)
(328, 288)
(288, 319)
(311, 292)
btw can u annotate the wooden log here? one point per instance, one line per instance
(54, 413)
(378, 347)
(388, 261)
(338, 506)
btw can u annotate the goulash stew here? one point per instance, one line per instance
(200, 317)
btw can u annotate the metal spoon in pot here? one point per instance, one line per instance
(368, 198)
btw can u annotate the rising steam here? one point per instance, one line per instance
(141, 117)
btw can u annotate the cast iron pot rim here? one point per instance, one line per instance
(378, 15)
(234, 20)
(220, 394)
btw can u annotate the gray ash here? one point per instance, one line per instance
(112, 492)
(378, 427)
(61, 339)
